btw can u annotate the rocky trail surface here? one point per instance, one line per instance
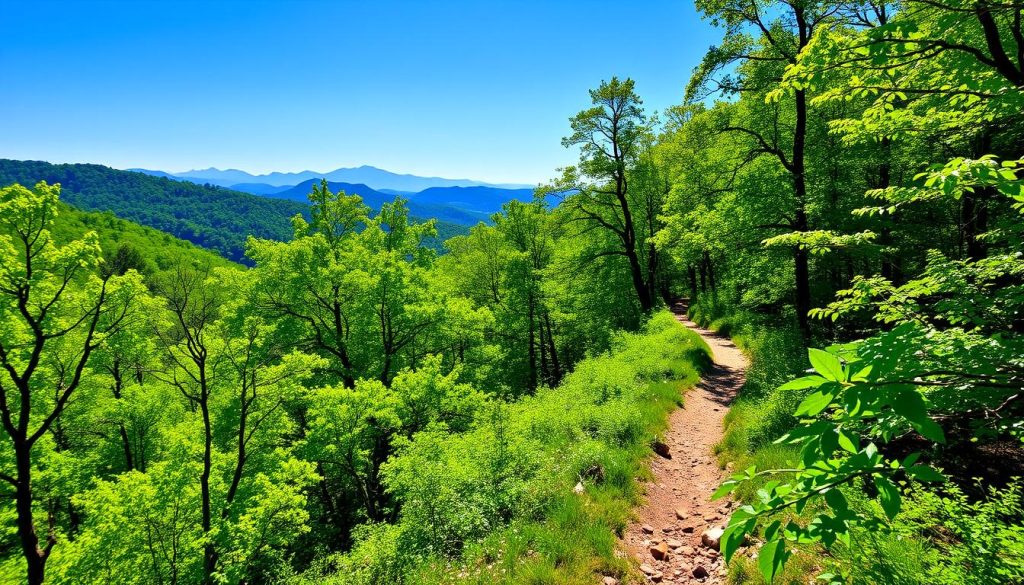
(676, 535)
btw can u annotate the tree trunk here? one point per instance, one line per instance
(126, 444)
(209, 549)
(801, 260)
(531, 346)
(890, 261)
(974, 222)
(35, 558)
(556, 372)
(710, 271)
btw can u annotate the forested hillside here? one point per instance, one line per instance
(213, 217)
(848, 177)
(840, 192)
(144, 249)
(205, 422)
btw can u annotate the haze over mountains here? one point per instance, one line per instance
(367, 175)
(461, 205)
(220, 218)
(460, 201)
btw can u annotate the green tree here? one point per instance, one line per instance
(56, 312)
(229, 366)
(611, 136)
(760, 40)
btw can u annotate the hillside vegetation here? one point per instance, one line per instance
(213, 217)
(841, 191)
(149, 250)
(207, 422)
(848, 177)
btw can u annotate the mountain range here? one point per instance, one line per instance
(460, 201)
(210, 216)
(434, 205)
(219, 209)
(366, 175)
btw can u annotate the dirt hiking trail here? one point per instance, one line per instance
(667, 538)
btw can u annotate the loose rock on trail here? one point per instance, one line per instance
(675, 538)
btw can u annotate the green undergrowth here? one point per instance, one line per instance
(759, 415)
(497, 504)
(941, 536)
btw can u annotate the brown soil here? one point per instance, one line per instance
(685, 482)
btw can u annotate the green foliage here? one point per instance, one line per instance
(212, 217)
(356, 408)
(877, 148)
(966, 540)
(129, 245)
(617, 188)
(55, 311)
(500, 491)
(943, 359)
(215, 218)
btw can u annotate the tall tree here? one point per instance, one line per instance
(194, 305)
(55, 311)
(760, 40)
(610, 136)
(312, 282)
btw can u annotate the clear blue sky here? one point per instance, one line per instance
(478, 90)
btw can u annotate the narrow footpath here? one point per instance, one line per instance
(667, 538)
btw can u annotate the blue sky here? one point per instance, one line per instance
(479, 90)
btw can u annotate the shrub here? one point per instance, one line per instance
(496, 502)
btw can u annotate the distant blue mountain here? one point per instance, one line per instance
(397, 192)
(370, 196)
(480, 199)
(365, 175)
(425, 210)
(155, 174)
(218, 177)
(454, 200)
(259, 188)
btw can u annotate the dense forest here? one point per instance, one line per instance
(840, 191)
(213, 217)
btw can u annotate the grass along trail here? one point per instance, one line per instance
(667, 538)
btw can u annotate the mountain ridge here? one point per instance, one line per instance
(212, 217)
(371, 176)
(428, 209)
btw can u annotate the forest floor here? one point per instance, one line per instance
(667, 537)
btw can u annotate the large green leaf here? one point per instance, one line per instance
(925, 473)
(803, 383)
(816, 401)
(733, 536)
(909, 403)
(826, 364)
(771, 559)
(888, 496)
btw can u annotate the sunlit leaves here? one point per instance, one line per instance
(827, 365)
(888, 496)
(740, 525)
(815, 403)
(951, 181)
(772, 557)
(821, 242)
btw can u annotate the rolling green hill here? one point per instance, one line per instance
(157, 250)
(213, 217)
